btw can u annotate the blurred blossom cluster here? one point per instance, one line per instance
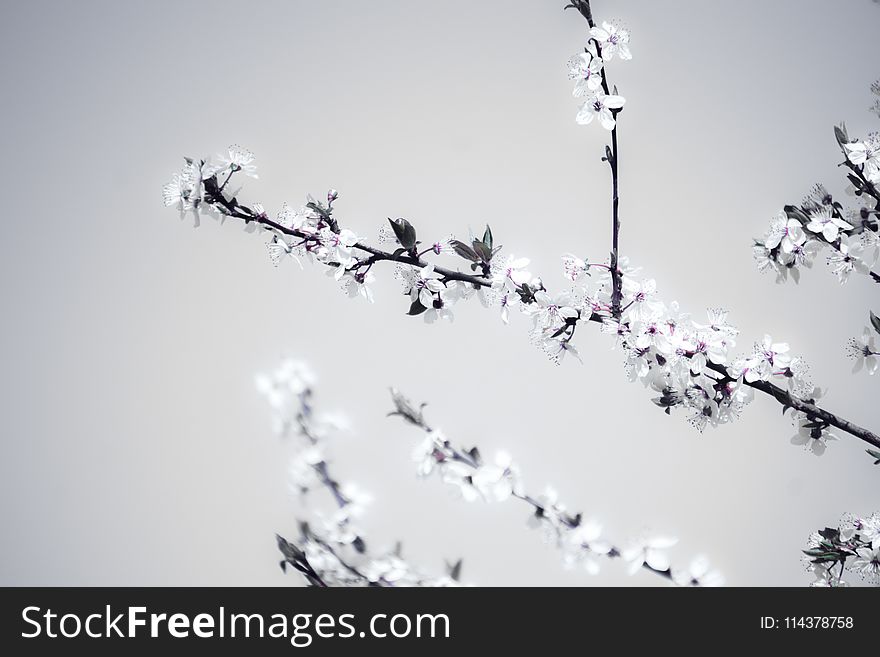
(580, 541)
(846, 232)
(851, 548)
(331, 549)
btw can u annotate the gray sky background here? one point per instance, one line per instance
(135, 448)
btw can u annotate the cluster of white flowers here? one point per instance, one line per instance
(797, 235)
(853, 547)
(849, 234)
(688, 362)
(579, 540)
(587, 69)
(331, 549)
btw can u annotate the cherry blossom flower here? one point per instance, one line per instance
(279, 248)
(550, 312)
(586, 69)
(425, 284)
(337, 247)
(864, 352)
(357, 284)
(785, 232)
(612, 41)
(869, 530)
(239, 159)
(824, 222)
(811, 435)
(600, 105)
(765, 260)
(499, 481)
(429, 452)
(511, 274)
(847, 259)
(443, 246)
(642, 295)
(867, 563)
(698, 573)
(177, 191)
(574, 268)
(867, 154)
(648, 551)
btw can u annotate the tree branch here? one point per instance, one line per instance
(550, 513)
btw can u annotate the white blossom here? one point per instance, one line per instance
(586, 70)
(824, 222)
(864, 352)
(600, 105)
(650, 550)
(612, 40)
(698, 573)
(239, 159)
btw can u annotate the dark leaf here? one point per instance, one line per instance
(292, 554)
(840, 134)
(487, 237)
(404, 232)
(874, 455)
(416, 308)
(875, 321)
(855, 181)
(465, 251)
(455, 571)
(830, 534)
(484, 252)
(794, 212)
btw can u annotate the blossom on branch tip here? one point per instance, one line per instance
(612, 40)
(239, 159)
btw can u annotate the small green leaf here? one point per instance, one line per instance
(487, 237)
